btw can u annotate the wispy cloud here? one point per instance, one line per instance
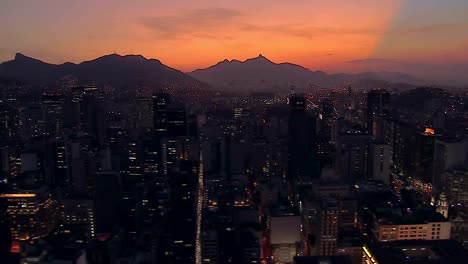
(434, 28)
(194, 22)
(207, 23)
(372, 61)
(299, 30)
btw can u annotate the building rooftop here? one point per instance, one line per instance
(409, 217)
(418, 252)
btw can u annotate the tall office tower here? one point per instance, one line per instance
(83, 158)
(174, 149)
(378, 104)
(32, 121)
(403, 140)
(327, 112)
(425, 143)
(11, 161)
(169, 117)
(77, 94)
(135, 169)
(328, 233)
(79, 210)
(380, 162)
(145, 112)
(9, 123)
(157, 183)
(86, 112)
(161, 102)
(33, 212)
(182, 216)
(60, 160)
(151, 153)
(90, 114)
(456, 185)
(352, 155)
(53, 113)
(303, 165)
(448, 154)
(107, 196)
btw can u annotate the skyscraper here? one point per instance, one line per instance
(302, 159)
(182, 217)
(169, 116)
(378, 103)
(160, 105)
(53, 113)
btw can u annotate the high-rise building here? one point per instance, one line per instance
(183, 213)
(456, 185)
(53, 112)
(79, 210)
(161, 102)
(145, 112)
(60, 161)
(82, 160)
(33, 212)
(448, 154)
(327, 114)
(380, 162)
(328, 234)
(378, 104)
(425, 143)
(107, 196)
(353, 155)
(303, 163)
(174, 149)
(9, 123)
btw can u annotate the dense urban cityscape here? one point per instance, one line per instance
(91, 174)
(234, 132)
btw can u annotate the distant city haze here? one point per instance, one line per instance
(426, 38)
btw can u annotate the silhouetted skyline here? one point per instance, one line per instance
(425, 37)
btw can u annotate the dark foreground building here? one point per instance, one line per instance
(416, 251)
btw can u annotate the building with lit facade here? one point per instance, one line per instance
(380, 155)
(53, 111)
(79, 210)
(33, 212)
(457, 185)
(422, 224)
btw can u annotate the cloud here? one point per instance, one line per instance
(371, 61)
(299, 30)
(195, 22)
(434, 28)
(207, 23)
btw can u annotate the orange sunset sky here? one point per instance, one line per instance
(332, 35)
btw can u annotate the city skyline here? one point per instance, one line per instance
(335, 36)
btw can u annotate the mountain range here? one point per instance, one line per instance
(111, 69)
(255, 74)
(262, 73)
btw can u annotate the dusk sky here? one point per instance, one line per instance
(332, 35)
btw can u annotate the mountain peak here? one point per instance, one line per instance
(259, 58)
(20, 56)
